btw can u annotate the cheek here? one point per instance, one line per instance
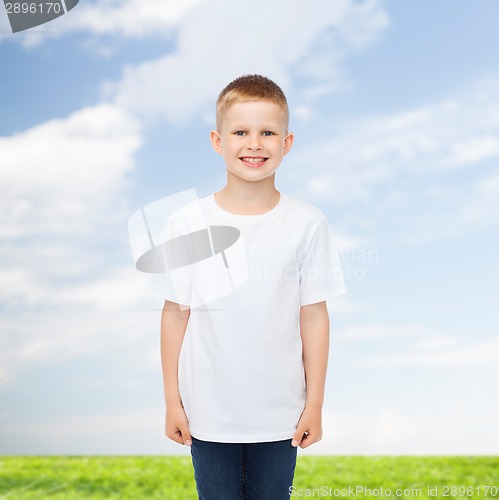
(278, 148)
(233, 149)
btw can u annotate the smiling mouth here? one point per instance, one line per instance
(253, 160)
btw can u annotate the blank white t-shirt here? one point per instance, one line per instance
(241, 374)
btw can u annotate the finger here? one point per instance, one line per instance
(308, 440)
(175, 436)
(298, 436)
(186, 435)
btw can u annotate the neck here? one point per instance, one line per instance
(251, 196)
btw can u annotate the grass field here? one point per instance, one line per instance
(137, 477)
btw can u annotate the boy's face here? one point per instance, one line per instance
(252, 139)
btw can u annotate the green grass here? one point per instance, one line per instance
(136, 477)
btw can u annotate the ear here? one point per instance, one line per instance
(216, 141)
(288, 142)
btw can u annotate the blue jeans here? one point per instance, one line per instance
(243, 471)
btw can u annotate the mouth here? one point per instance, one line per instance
(253, 161)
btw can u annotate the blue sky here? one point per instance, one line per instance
(395, 107)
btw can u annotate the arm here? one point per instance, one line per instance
(173, 326)
(314, 329)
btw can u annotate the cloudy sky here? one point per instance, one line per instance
(395, 107)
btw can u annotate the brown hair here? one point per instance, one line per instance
(251, 88)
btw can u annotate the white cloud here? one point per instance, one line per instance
(436, 342)
(123, 433)
(55, 334)
(62, 173)
(378, 331)
(133, 19)
(482, 204)
(489, 184)
(48, 283)
(435, 354)
(373, 150)
(62, 207)
(399, 170)
(391, 431)
(130, 18)
(472, 150)
(303, 113)
(460, 430)
(119, 289)
(210, 34)
(212, 48)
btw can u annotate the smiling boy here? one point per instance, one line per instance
(244, 379)
(252, 137)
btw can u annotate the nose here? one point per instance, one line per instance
(254, 142)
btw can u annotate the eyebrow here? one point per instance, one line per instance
(267, 126)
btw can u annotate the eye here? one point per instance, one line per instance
(268, 133)
(239, 132)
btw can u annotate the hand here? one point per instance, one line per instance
(309, 428)
(176, 425)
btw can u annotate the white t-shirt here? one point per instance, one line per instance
(241, 374)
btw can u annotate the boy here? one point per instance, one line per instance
(244, 377)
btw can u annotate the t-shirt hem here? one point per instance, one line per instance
(241, 438)
(319, 297)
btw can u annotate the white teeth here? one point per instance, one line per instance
(253, 160)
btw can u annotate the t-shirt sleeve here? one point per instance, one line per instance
(321, 275)
(174, 284)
